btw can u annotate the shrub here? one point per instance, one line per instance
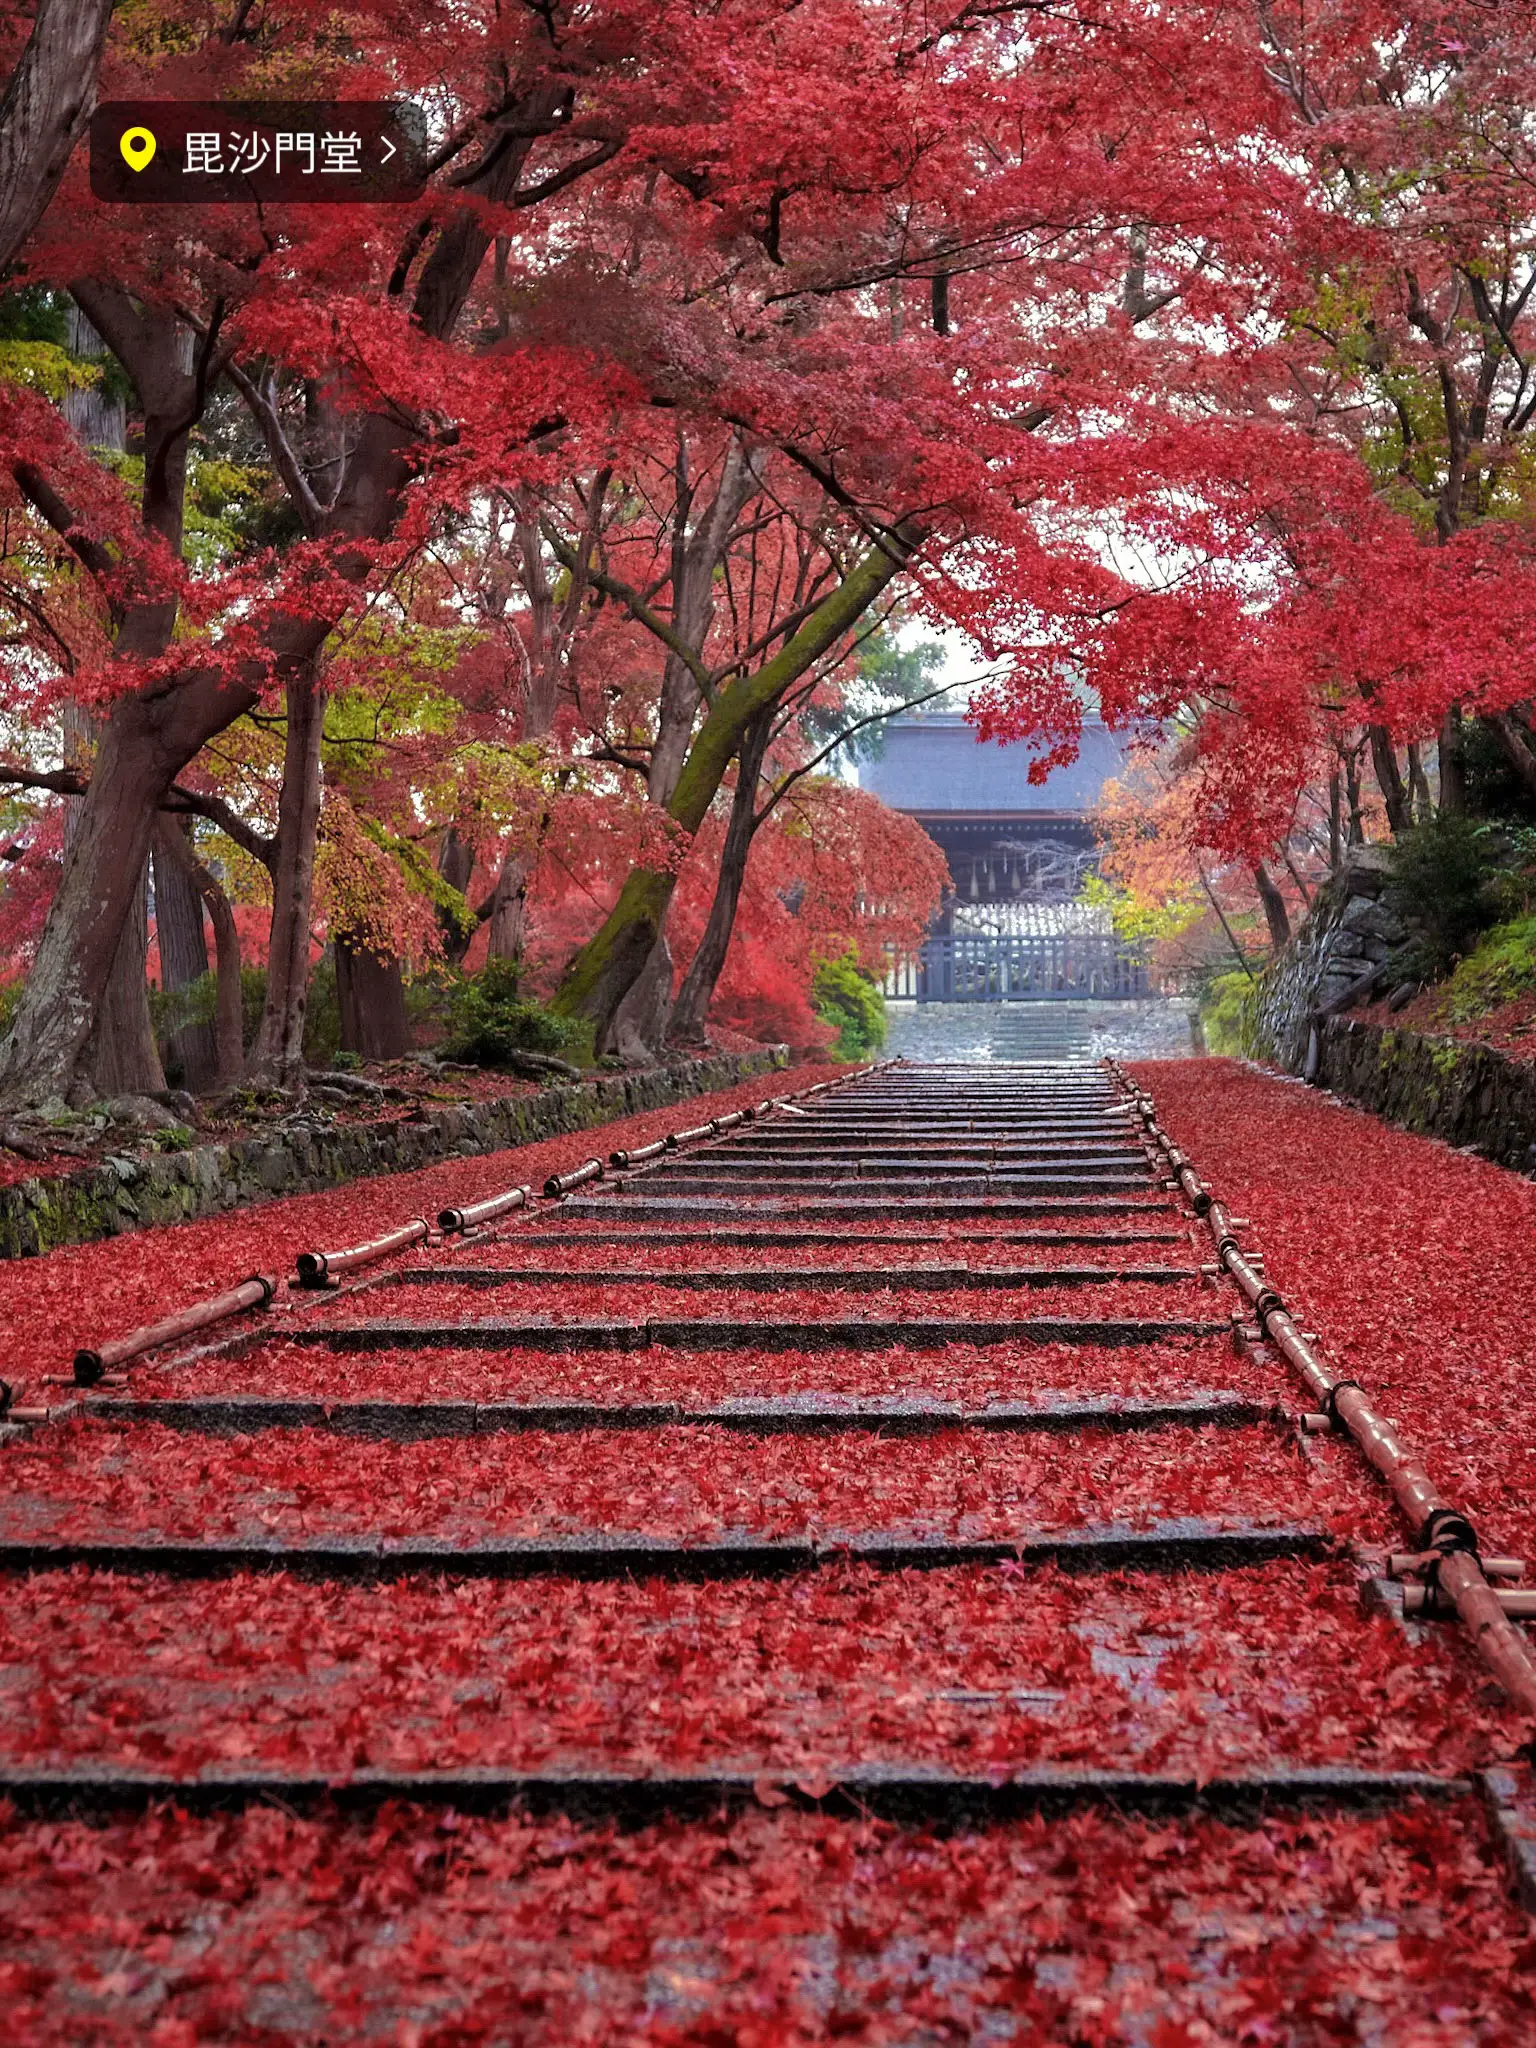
(1226, 1013)
(852, 1002)
(1443, 887)
(491, 1020)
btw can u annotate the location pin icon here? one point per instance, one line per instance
(137, 146)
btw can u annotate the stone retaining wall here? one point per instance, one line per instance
(1440, 1087)
(1348, 930)
(127, 1193)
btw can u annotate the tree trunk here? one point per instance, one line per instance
(183, 951)
(1335, 823)
(1453, 765)
(371, 994)
(456, 864)
(1352, 788)
(121, 1055)
(509, 910)
(1275, 914)
(278, 1055)
(1389, 779)
(1513, 745)
(639, 1027)
(228, 1016)
(708, 963)
(604, 970)
(46, 106)
(1422, 803)
(103, 862)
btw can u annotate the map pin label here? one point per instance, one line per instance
(137, 146)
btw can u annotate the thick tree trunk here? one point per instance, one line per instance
(600, 976)
(228, 1016)
(1453, 765)
(278, 1055)
(183, 952)
(1276, 915)
(46, 106)
(708, 963)
(103, 868)
(121, 1056)
(639, 1027)
(1389, 779)
(371, 994)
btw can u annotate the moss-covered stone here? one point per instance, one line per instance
(126, 1193)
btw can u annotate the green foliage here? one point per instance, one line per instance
(1443, 886)
(1501, 966)
(1494, 790)
(42, 367)
(175, 1009)
(1135, 920)
(852, 1002)
(490, 1019)
(176, 1138)
(230, 509)
(253, 1000)
(888, 676)
(322, 1014)
(35, 314)
(346, 1062)
(1227, 1013)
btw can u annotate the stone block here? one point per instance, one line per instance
(1374, 920)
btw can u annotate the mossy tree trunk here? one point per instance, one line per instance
(602, 973)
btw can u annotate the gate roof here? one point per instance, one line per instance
(935, 765)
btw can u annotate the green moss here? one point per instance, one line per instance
(1502, 966)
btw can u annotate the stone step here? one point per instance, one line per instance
(755, 1279)
(1184, 1544)
(708, 1333)
(907, 1794)
(807, 1414)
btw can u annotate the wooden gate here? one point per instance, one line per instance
(1012, 967)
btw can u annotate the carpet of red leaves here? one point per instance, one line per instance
(518, 1251)
(1412, 1262)
(93, 1481)
(636, 1301)
(771, 1931)
(972, 1373)
(992, 1668)
(776, 1928)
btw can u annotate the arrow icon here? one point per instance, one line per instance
(389, 149)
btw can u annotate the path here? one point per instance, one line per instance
(1158, 1027)
(885, 1464)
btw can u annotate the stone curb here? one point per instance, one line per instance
(1465, 1093)
(39, 1214)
